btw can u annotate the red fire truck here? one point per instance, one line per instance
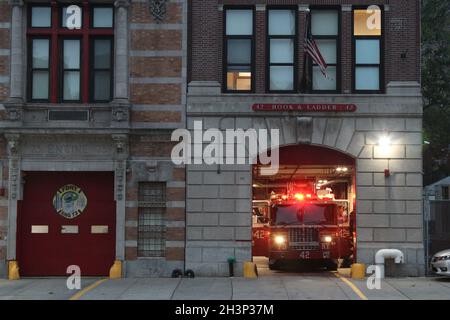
(309, 227)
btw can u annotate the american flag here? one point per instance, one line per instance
(312, 50)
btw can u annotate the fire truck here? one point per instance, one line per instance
(309, 227)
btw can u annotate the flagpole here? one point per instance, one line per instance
(304, 82)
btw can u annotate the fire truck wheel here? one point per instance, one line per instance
(347, 262)
(274, 266)
(331, 265)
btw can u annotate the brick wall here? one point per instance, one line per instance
(174, 178)
(157, 61)
(5, 17)
(401, 27)
(157, 64)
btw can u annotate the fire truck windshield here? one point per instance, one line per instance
(304, 214)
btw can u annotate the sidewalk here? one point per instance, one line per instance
(313, 286)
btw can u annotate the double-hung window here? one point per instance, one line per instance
(367, 49)
(325, 32)
(282, 49)
(239, 52)
(70, 52)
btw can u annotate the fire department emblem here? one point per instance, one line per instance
(70, 201)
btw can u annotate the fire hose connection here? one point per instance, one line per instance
(384, 254)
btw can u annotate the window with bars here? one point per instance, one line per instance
(151, 221)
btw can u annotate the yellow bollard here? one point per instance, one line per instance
(13, 270)
(116, 270)
(250, 270)
(358, 271)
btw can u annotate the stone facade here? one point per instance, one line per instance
(208, 208)
(129, 136)
(389, 210)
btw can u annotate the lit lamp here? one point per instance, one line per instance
(385, 142)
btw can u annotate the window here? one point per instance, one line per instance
(445, 193)
(367, 49)
(71, 69)
(151, 220)
(325, 32)
(282, 42)
(238, 51)
(101, 69)
(70, 65)
(40, 68)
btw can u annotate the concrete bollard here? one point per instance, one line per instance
(13, 270)
(116, 270)
(250, 270)
(358, 271)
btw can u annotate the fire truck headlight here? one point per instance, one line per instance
(280, 239)
(327, 239)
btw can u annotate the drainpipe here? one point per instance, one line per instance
(384, 254)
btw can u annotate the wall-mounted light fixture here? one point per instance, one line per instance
(384, 142)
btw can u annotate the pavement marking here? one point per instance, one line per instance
(82, 292)
(352, 286)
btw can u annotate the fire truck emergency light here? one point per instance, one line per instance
(299, 196)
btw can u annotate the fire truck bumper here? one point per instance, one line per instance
(297, 255)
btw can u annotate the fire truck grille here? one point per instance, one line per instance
(304, 239)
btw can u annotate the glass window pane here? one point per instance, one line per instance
(102, 85)
(324, 22)
(281, 22)
(368, 51)
(239, 78)
(281, 51)
(103, 18)
(367, 22)
(71, 85)
(239, 22)
(239, 51)
(64, 16)
(40, 53)
(41, 17)
(102, 54)
(40, 85)
(328, 50)
(367, 78)
(281, 78)
(71, 54)
(320, 82)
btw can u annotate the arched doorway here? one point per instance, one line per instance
(304, 214)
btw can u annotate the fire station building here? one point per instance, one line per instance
(355, 132)
(90, 92)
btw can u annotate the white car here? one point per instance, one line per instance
(440, 263)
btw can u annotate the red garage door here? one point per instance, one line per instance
(66, 218)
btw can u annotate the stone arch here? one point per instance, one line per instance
(335, 133)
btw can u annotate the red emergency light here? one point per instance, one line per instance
(299, 196)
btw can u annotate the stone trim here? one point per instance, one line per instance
(121, 91)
